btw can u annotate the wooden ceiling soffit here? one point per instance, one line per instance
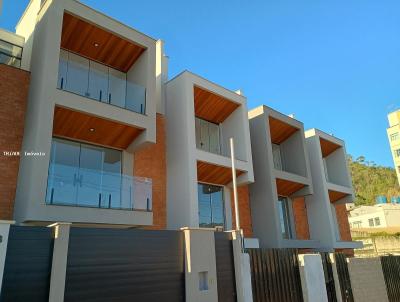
(335, 195)
(286, 187)
(88, 128)
(328, 147)
(213, 174)
(95, 43)
(280, 131)
(212, 107)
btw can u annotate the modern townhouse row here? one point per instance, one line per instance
(107, 139)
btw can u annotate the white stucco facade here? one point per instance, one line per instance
(329, 173)
(294, 168)
(41, 27)
(183, 155)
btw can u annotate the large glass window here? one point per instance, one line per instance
(208, 136)
(10, 54)
(284, 208)
(277, 156)
(99, 82)
(211, 206)
(90, 176)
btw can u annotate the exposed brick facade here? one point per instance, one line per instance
(151, 162)
(343, 222)
(244, 210)
(301, 219)
(14, 86)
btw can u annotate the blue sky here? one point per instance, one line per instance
(334, 64)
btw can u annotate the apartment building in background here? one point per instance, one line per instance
(393, 133)
(326, 207)
(110, 141)
(379, 216)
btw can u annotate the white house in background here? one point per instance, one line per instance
(376, 216)
(201, 118)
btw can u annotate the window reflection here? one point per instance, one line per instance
(211, 206)
(285, 217)
(99, 82)
(90, 176)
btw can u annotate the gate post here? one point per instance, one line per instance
(200, 265)
(59, 263)
(4, 231)
(312, 278)
(336, 278)
(242, 270)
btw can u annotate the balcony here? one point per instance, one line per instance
(99, 82)
(10, 54)
(73, 186)
(84, 175)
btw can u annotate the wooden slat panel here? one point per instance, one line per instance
(280, 131)
(76, 125)
(80, 37)
(335, 196)
(213, 174)
(212, 107)
(275, 275)
(286, 187)
(327, 147)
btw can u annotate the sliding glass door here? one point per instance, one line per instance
(84, 175)
(211, 206)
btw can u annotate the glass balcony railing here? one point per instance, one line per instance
(10, 54)
(74, 186)
(208, 136)
(99, 82)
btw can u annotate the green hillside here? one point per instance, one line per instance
(370, 181)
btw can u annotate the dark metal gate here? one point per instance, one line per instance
(125, 265)
(344, 277)
(226, 282)
(28, 264)
(275, 275)
(329, 280)
(391, 273)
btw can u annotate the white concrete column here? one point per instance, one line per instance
(242, 270)
(338, 289)
(4, 231)
(200, 265)
(312, 278)
(59, 264)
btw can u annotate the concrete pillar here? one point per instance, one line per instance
(312, 278)
(59, 264)
(242, 270)
(338, 289)
(200, 265)
(4, 231)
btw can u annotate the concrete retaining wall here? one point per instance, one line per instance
(367, 280)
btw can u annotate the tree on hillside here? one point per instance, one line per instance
(371, 180)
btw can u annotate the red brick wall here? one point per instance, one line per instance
(14, 85)
(244, 210)
(151, 162)
(300, 218)
(343, 222)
